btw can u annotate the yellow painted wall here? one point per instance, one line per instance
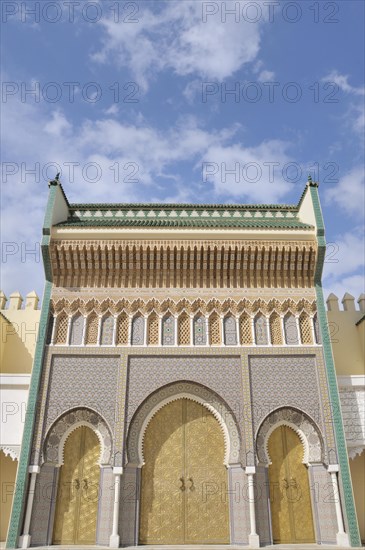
(18, 336)
(8, 468)
(357, 467)
(3, 328)
(347, 341)
(18, 339)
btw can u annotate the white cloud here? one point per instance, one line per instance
(266, 76)
(345, 254)
(357, 119)
(255, 177)
(192, 90)
(355, 115)
(342, 82)
(58, 125)
(353, 284)
(113, 110)
(349, 193)
(177, 38)
(122, 153)
(344, 266)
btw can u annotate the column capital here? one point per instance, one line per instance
(34, 469)
(117, 470)
(250, 470)
(332, 468)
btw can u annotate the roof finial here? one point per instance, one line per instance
(310, 182)
(56, 181)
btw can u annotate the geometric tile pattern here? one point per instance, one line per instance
(92, 329)
(168, 331)
(152, 330)
(324, 510)
(42, 508)
(263, 521)
(278, 381)
(222, 375)
(200, 331)
(221, 369)
(74, 384)
(304, 427)
(138, 331)
(105, 508)
(61, 329)
(107, 326)
(69, 421)
(260, 324)
(290, 330)
(275, 330)
(194, 392)
(245, 329)
(215, 330)
(230, 331)
(77, 330)
(183, 329)
(305, 328)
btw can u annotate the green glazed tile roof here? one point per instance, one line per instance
(255, 216)
(180, 206)
(255, 223)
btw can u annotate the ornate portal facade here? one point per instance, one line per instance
(183, 389)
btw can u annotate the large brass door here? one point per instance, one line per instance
(291, 510)
(78, 490)
(184, 480)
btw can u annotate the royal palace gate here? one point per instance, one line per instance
(183, 387)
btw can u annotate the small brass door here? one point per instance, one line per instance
(291, 510)
(78, 490)
(184, 480)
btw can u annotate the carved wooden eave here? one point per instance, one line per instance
(176, 307)
(195, 263)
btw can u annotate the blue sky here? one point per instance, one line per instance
(132, 101)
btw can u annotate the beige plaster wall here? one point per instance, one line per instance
(357, 467)
(8, 468)
(347, 341)
(18, 338)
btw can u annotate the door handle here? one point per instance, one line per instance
(293, 482)
(77, 484)
(85, 484)
(192, 486)
(182, 486)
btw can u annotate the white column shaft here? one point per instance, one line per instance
(336, 494)
(53, 335)
(114, 341)
(28, 514)
(251, 497)
(68, 331)
(238, 331)
(116, 504)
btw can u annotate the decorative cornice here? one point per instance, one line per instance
(183, 263)
(146, 307)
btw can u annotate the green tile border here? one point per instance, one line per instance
(349, 504)
(22, 474)
(21, 484)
